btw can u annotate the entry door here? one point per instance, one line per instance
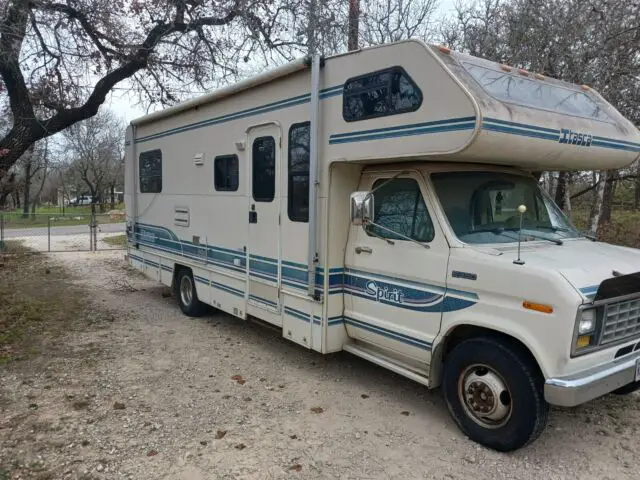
(395, 288)
(263, 218)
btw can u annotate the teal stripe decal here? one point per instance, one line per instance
(401, 127)
(269, 107)
(453, 125)
(401, 337)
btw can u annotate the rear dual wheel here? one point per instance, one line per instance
(494, 393)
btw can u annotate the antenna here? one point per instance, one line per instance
(522, 209)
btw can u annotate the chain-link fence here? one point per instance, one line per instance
(68, 232)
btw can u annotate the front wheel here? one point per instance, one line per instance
(185, 290)
(494, 393)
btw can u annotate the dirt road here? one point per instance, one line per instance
(151, 395)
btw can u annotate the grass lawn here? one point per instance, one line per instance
(53, 215)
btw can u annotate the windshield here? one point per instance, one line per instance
(482, 207)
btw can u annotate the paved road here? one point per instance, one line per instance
(69, 230)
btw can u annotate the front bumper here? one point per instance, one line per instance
(592, 383)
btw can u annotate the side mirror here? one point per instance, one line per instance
(361, 208)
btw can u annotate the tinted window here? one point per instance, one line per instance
(386, 92)
(264, 169)
(533, 93)
(226, 173)
(399, 207)
(151, 171)
(298, 202)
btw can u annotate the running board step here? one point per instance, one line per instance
(376, 358)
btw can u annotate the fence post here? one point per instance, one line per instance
(49, 233)
(1, 231)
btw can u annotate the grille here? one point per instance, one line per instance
(621, 321)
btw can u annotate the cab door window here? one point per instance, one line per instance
(400, 208)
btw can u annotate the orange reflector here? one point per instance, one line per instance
(539, 76)
(583, 341)
(585, 87)
(506, 68)
(522, 71)
(444, 49)
(538, 307)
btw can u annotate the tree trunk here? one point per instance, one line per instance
(113, 196)
(27, 190)
(637, 188)
(596, 207)
(607, 200)
(566, 206)
(561, 187)
(354, 17)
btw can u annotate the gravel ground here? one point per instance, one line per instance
(156, 395)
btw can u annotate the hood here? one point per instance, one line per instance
(585, 264)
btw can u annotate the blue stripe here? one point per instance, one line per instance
(297, 314)
(521, 125)
(402, 127)
(263, 300)
(406, 133)
(523, 133)
(624, 142)
(388, 333)
(268, 107)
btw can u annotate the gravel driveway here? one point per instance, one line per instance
(156, 395)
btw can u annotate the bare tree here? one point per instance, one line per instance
(59, 59)
(95, 150)
(31, 169)
(386, 21)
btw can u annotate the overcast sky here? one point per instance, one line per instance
(124, 105)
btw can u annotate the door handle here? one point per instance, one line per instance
(360, 250)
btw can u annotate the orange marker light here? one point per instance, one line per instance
(538, 307)
(522, 71)
(444, 49)
(585, 87)
(539, 76)
(506, 68)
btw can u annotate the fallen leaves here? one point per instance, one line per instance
(295, 468)
(364, 395)
(239, 379)
(317, 409)
(220, 434)
(405, 413)
(240, 446)
(118, 406)
(152, 453)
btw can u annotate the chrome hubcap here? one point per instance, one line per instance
(485, 396)
(186, 290)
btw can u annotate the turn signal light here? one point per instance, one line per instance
(444, 49)
(583, 341)
(538, 307)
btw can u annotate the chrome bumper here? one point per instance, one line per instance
(591, 383)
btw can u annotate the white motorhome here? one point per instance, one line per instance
(424, 243)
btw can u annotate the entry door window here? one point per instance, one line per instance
(400, 209)
(264, 169)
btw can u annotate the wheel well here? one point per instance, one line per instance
(464, 332)
(176, 271)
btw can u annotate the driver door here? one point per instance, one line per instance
(394, 287)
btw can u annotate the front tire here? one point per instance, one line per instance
(185, 291)
(494, 393)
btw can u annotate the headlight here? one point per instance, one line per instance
(587, 322)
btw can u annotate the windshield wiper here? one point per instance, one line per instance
(502, 230)
(568, 230)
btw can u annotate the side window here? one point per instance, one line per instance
(264, 169)
(225, 173)
(151, 171)
(399, 207)
(378, 94)
(298, 201)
